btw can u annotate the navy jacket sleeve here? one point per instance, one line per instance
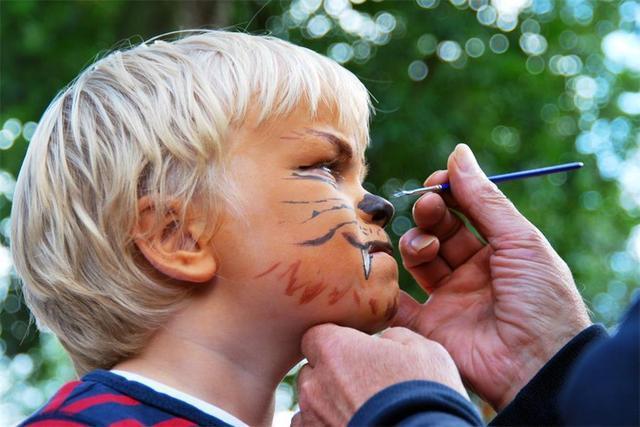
(592, 380)
(538, 402)
(417, 403)
(604, 387)
(427, 403)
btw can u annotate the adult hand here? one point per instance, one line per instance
(503, 309)
(347, 367)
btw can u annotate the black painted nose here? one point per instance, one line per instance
(380, 209)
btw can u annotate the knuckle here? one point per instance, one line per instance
(305, 395)
(308, 338)
(525, 236)
(389, 333)
(437, 349)
(488, 193)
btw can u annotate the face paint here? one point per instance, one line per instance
(293, 278)
(315, 213)
(373, 304)
(381, 210)
(337, 294)
(365, 250)
(327, 236)
(306, 202)
(298, 176)
(300, 241)
(310, 291)
(392, 309)
(269, 270)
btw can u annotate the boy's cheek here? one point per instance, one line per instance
(333, 289)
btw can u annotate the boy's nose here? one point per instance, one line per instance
(380, 210)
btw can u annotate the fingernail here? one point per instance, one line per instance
(420, 242)
(465, 158)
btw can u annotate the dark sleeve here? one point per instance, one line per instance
(417, 403)
(538, 402)
(57, 419)
(604, 386)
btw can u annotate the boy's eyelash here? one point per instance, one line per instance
(333, 167)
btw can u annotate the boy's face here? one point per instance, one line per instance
(310, 246)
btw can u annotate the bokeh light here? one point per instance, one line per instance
(629, 103)
(533, 44)
(477, 4)
(535, 65)
(499, 43)
(418, 70)
(449, 50)
(428, 4)
(474, 47)
(427, 44)
(340, 52)
(318, 26)
(487, 15)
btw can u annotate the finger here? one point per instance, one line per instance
(438, 177)
(296, 421)
(305, 374)
(419, 253)
(457, 242)
(460, 247)
(307, 396)
(480, 200)
(408, 309)
(400, 335)
(313, 340)
(417, 247)
(431, 275)
(309, 419)
(441, 177)
(320, 341)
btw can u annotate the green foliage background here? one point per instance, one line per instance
(544, 100)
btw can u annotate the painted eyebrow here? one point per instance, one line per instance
(344, 149)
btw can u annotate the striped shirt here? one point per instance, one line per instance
(102, 398)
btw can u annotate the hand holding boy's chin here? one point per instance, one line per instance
(376, 307)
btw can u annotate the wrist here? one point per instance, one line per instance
(535, 359)
(522, 374)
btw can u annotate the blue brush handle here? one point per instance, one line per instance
(528, 173)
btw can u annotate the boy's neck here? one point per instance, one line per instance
(214, 351)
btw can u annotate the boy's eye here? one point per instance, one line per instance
(326, 168)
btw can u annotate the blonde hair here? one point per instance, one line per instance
(150, 120)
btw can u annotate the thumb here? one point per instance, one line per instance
(408, 309)
(480, 199)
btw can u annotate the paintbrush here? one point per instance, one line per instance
(497, 178)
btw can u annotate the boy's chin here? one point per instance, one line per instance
(371, 321)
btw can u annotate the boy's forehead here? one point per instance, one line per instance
(301, 124)
(326, 134)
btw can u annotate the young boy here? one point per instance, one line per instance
(185, 212)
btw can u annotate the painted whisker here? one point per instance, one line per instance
(316, 213)
(306, 202)
(326, 237)
(297, 176)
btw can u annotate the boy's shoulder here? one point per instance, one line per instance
(102, 398)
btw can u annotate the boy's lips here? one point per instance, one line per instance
(380, 246)
(367, 250)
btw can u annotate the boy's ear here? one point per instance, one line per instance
(180, 251)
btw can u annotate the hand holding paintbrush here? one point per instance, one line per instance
(511, 300)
